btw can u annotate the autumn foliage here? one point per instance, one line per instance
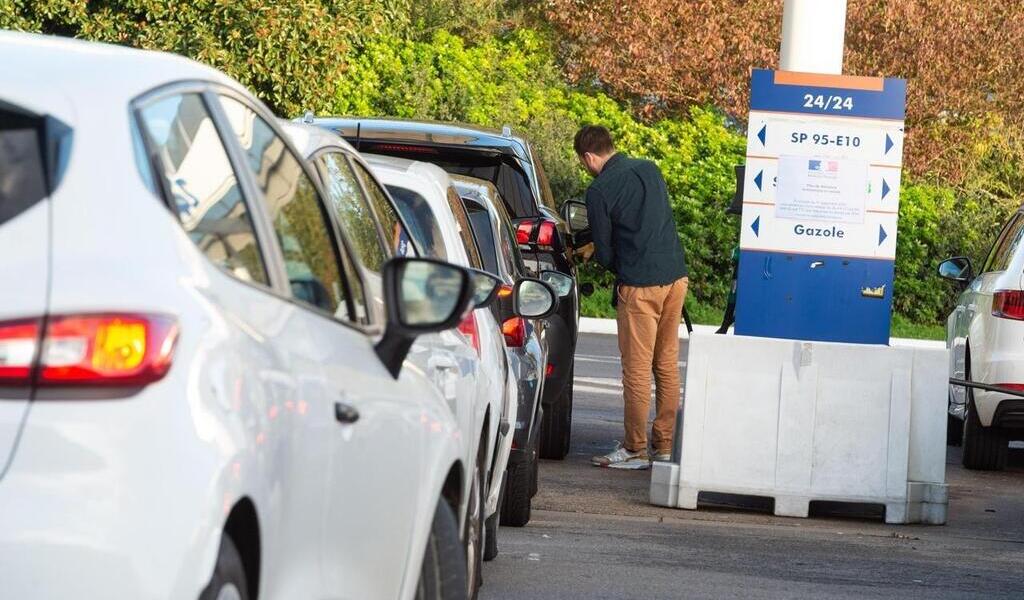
(962, 59)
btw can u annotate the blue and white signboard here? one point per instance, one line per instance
(820, 207)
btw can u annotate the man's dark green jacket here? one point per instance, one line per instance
(634, 232)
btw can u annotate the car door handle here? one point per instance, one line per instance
(345, 413)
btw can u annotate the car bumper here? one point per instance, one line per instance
(999, 369)
(102, 502)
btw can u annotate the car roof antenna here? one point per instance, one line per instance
(308, 117)
(359, 131)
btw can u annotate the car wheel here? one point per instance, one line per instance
(491, 536)
(475, 533)
(556, 425)
(443, 574)
(516, 506)
(985, 448)
(228, 581)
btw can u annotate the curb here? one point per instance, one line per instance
(610, 327)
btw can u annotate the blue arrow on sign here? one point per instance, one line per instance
(885, 188)
(888, 143)
(761, 135)
(756, 226)
(758, 179)
(881, 235)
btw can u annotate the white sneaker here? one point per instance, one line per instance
(620, 458)
(666, 457)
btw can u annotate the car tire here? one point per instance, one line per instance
(556, 425)
(475, 533)
(517, 503)
(443, 574)
(534, 473)
(985, 448)
(954, 431)
(491, 537)
(228, 581)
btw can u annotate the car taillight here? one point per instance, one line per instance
(101, 350)
(546, 234)
(468, 328)
(514, 330)
(549, 370)
(19, 341)
(1008, 304)
(524, 232)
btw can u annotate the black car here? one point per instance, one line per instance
(508, 162)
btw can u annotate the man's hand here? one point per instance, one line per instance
(584, 252)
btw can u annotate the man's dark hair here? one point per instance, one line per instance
(594, 139)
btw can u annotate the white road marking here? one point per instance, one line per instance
(609, 361)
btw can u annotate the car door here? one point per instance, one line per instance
(316, 302)
(371, 513)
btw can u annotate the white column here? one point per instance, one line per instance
(813, 32)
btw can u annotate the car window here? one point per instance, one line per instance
(423, 225)
(509, 249)
(545, 186)
(298, 217)
(480, 221)
(396, 238)
(1006, 246)
(353, 212)
(22, 170)
(465, 230)
(203, 187)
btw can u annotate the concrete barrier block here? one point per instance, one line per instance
(803, 421)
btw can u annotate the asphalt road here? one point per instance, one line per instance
(594, 535)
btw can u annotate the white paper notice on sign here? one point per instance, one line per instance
(833, 190)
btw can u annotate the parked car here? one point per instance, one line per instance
(436, 218)
(511, 164)
(454, 360)
(985, 336)
(197, 403)
(525, 339)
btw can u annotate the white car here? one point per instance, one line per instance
(459, 362)
(985, 336)
(196, 402)
(426, 196)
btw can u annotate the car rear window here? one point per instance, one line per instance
(22, 171)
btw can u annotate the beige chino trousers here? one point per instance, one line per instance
(648, 323)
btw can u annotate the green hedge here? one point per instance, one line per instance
(366, 57)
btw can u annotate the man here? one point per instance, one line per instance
(635, 238)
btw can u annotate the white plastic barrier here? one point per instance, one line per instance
(804, 421)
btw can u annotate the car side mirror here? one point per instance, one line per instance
(533, 299)
(575, 214)
(958, 269)
(560, 282)
(421, 295)
(485, 288)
